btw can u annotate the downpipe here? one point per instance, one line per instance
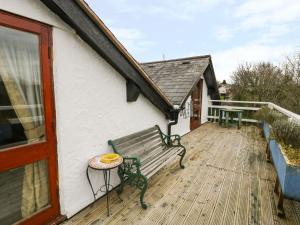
(174, 120)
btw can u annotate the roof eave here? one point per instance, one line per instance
(215, 80)
(121, 48)
(92, 30)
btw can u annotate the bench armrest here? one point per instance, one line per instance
(172, 138)
(134, 160)
(131, 163)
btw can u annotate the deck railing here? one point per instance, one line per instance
(249, 108)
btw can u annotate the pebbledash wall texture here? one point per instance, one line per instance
(91, 106)
(91, 109)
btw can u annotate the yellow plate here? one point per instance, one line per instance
(109, 157)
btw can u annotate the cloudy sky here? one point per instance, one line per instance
(231, 31)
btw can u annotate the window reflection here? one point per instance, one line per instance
(23, 191)
(21, 105)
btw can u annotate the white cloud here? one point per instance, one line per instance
(133, 39)
(271, 18)
(248, 8)
(256, 13)
(188, 9)
(224, 33)
(273, 33)
(267, 22)
(127, 33)
(225, 62)
(174, 9)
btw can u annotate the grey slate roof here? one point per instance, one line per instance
(177, 77)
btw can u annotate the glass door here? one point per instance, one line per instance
(28, 167)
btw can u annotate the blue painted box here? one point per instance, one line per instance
(289, 175)
(266, 130)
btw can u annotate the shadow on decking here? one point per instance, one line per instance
(226, 181)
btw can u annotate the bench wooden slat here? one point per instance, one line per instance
(129, 137)
(150, 171)
(142, 153)
(156, 169)
(135, 140)
(148, 155)
(142, 144)
(157, 158)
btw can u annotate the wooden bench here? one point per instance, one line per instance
(145, 153)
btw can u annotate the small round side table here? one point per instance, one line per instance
(96, 164)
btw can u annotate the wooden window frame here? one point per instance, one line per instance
(44, 150)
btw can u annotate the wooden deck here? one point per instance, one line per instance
(226, 181)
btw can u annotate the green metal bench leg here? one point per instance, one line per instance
(143, 185)
(226, 119)
(182, 154)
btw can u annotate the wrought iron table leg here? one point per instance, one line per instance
(88, 177)
(106, 175)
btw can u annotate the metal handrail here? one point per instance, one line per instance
(215, 108)
(295, 117)
(245, 102)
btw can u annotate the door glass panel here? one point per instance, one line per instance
(21, 101)
(23, 191)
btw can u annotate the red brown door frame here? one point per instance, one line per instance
(195, 120)
(45, 150)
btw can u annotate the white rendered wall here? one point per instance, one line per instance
(205, 103)
(91, 107)
(183, 125)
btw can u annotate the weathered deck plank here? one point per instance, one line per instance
(226, 181)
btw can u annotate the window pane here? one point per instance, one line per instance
(23, 191)
(21, 104)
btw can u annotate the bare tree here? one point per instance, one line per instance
(256, 82)
(267, 82)
(291, 67)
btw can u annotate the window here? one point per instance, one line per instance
(28, 176)
(21, 107)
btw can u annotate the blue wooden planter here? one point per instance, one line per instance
(288, 175)
(266, 130)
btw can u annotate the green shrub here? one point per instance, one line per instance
(269, 115)
(287, 132)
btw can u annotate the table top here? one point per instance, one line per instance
(95, 163)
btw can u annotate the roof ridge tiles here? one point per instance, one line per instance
(178, 59)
